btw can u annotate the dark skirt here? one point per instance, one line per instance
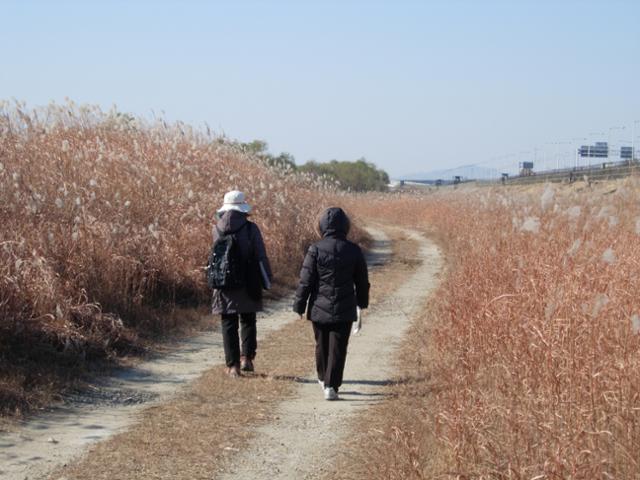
(234, 301)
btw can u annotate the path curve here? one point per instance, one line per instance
(300, 443)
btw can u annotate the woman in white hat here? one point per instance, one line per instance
(240, 303)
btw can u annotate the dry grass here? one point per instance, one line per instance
(106, 227)
(195, 435)
(530, 352)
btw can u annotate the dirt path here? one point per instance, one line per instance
(111, 406)
(301, 442)
(51, 440)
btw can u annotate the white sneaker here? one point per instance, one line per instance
(321, 383)
(330, 394)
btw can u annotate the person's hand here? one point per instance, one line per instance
(357, 325)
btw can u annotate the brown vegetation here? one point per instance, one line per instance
(525, 365)
(527, 362)
(106, 225)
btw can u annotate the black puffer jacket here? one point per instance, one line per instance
(334, 278)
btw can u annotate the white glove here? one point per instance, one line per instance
(357, 325)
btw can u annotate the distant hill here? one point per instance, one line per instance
(465, 171)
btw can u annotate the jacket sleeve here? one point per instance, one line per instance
(361, 280)
(308, 279)
(260, 251)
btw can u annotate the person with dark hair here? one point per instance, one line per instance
(240, 301)
(334, 284)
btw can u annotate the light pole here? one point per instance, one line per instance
(559, 154)
(611, 129)
(547, 155)
(601, 134)
(558, 145)
(633, 140)
(578, 139)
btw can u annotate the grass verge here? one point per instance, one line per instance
(529, 350)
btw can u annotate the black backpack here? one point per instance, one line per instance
(226, 268)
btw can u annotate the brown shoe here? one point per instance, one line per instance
(234, 372)
(246, 365)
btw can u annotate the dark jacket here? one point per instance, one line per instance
(334, 278)
(238, 300)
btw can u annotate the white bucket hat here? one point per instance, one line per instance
(234, 200)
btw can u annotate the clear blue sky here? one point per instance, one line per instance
(411, 86)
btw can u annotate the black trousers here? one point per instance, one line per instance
(331, 351)
(231, 340)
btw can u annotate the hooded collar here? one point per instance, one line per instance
(334, 223)
(231, 220)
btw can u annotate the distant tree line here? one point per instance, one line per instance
(356, 176)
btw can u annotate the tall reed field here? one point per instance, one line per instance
(530, 350)
(106, 226)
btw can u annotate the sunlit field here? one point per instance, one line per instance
(530, 350)
(106, 225)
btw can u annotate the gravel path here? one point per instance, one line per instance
(50, 440)
(301, 442)
(47, 441)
